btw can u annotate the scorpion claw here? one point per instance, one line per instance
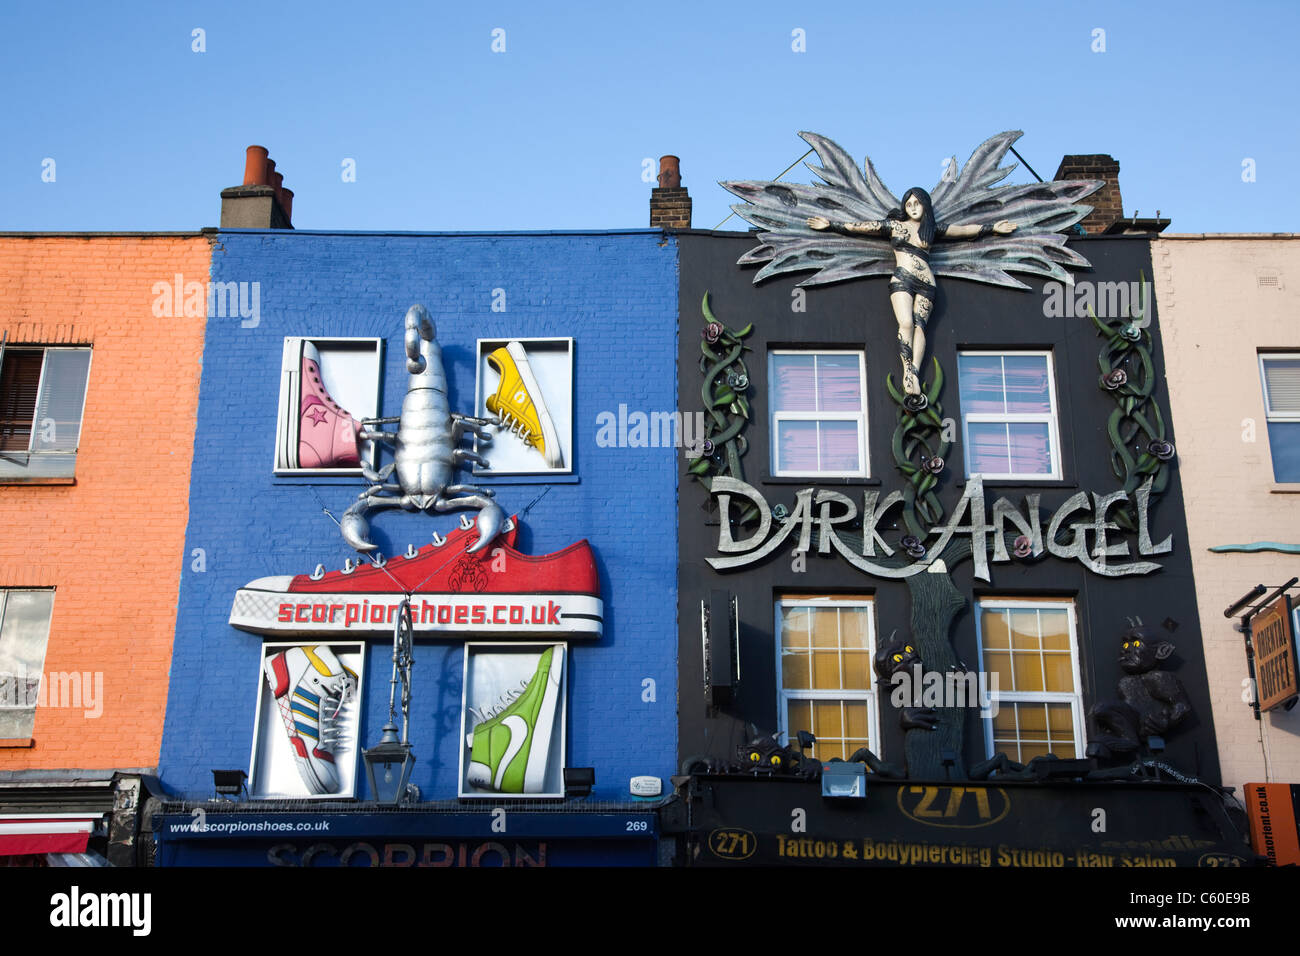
(356, 531)
(491, 519)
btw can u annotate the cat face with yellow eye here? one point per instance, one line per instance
(899, 655)
(1140, 650)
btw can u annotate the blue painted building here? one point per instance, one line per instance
(597, 314)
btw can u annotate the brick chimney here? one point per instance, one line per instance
(261, 202)
(1107, 216)
(670, 204)
(1107, 206)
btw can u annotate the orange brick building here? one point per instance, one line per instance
(101, 338)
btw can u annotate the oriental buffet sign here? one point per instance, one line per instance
(1078, 530)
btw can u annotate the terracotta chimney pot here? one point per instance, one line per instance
(670, 172)
(255, 160)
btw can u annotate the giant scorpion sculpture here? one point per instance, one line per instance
(426, 453)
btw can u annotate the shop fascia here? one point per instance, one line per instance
(827, 509)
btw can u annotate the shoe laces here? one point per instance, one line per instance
(334, 696)
(512, 423)
(503, 702)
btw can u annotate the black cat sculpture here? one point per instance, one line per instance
(1152, 701)
(764, 756)
(901, 657)
(898, 657)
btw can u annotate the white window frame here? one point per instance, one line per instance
(860, 417)
(270, 737)
(870, 696)
(1005, 418)
(1271, 416)
(368, 452)
(11, 469)
(40, 672)
(557, 351)
(482, 654)
(1075, 700)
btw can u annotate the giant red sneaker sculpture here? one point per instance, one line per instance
(498, 591)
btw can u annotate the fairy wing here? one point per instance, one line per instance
(1039, 210)
(781, 210)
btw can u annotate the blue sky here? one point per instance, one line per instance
(553, 132)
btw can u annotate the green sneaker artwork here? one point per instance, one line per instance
(509, 753)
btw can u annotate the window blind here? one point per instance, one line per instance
(1282, 385)
(20, 378)
(63, 393)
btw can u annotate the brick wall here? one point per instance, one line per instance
(1216, 317)
(110, 545)
(670, 208)
(616, 295)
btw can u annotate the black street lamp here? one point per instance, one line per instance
(388, 766)
(389, 762)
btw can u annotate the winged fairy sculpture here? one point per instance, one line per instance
(851, 226)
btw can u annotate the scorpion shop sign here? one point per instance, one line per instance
(828, 509)
(494, 592)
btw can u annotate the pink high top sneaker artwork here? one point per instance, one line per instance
(326, 435)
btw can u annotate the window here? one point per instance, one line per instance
(1281, 375)
(497, 678)
(24, 630)
(527, 384)
(42, 396)
(824, 650)
(1008, 407)
(327, 386)
(819, 414)
(307, 725)
(1030, 648)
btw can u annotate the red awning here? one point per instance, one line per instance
(45, 833)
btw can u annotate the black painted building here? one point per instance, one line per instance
(1043, 535)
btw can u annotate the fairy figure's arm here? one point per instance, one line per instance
(1003, 227)
(867, 228)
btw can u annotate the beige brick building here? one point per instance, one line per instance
(1230, 314)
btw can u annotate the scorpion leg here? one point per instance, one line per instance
(355, 527)
(467, 490)
(461, 424)
(462, 455)
(490, 516)
(473, 427)
(371, 475)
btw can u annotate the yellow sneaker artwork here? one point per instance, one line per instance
(519, 404)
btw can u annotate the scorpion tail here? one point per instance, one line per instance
(490, 521)
(356, 531)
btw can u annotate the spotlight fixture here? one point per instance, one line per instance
(229, 783)
(842, 780)
(578, 781)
